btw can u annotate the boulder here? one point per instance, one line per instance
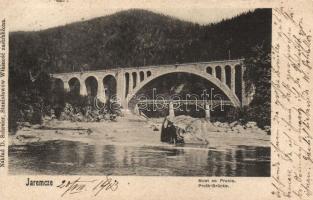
(233, 124)
(36, 126)
(185, 129)
(251, 124)
(217, 123)
(224, 125)
(63, 116)
(27, 138)
(267, 129)
(239, 128)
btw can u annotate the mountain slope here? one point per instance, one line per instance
(136, 38)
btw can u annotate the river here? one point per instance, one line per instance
(78, 158)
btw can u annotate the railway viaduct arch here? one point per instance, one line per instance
(227, 75)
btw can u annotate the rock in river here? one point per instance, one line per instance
(185, 129)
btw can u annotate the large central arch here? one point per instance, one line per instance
(223, 87)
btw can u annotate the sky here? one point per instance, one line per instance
(32, 15)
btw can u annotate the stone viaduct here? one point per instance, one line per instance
(227, 75)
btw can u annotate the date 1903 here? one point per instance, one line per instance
(94, 186)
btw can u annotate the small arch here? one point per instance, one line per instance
(148, 73)
(209, 70)
(228, 75)
(58, 85)
(218, 72)
(134, 74)
(74, 85)
(126, 84)
(109, 85)
(91, 86)
(238, 82)
(142, 76)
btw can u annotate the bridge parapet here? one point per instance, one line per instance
(117, 69)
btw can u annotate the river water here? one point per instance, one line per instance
(78, 158)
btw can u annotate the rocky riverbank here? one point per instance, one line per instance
(188, 130)
(133, 130)
(121, 130)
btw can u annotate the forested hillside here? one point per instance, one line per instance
(137, 38)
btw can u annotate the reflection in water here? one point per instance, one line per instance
(67, 157)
